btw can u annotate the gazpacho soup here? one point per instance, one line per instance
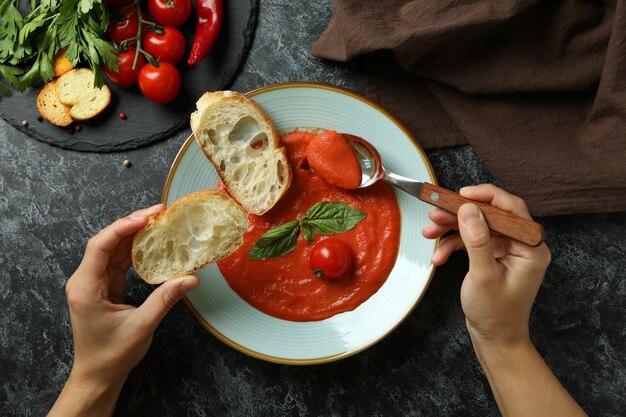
(326, 246)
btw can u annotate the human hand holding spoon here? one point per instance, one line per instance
(501, 221)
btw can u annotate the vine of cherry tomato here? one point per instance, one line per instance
(126, 76)
(160, 84)
(332, 258)
(154, 51)
(170, 12)
(168, 46)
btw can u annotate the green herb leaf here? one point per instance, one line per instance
(276, 242)
(9, 74)
(331, 217)
(307, 232)
(4, 90)
(30, 77)
(322, 218)
(32, 41)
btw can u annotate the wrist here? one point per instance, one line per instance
(87, 394)
(95, 380)
(498, 353)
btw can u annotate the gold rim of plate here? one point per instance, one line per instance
(431, 272)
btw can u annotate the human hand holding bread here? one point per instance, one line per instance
(110, 337)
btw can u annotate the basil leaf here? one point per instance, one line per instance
(276, 242)
(331, 217)
(307, 232)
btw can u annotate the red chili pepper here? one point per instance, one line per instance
(208, 24)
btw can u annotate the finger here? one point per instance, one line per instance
(149, 211)
(160, 302)
(440, 216)
(477, 239)
(102, 247)
(433, 231)
(122, 257)
(446, 247)
(497, 197)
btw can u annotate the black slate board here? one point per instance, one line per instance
(147, 122)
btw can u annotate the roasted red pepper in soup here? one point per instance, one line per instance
(209, 21)
(333, 159)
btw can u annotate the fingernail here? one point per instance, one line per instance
(469, 214)
(189, 283)
(155, 206)
(143, 213)
(467, 189)
(435, 256)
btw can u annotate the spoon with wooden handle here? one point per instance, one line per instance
(501, 221)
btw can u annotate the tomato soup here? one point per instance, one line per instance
(332, 158)
(285, 287)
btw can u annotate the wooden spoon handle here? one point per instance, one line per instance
(518, 228)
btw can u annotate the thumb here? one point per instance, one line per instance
(160, 302)
(477, 239)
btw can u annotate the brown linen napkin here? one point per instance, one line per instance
(537, 88)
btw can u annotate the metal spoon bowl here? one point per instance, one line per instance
(504, 222)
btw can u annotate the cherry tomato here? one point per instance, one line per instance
(119, 3)
(126, 76)
(173, 14)
(160, 84)
(168, 47)
(123, 27)
(332, 258)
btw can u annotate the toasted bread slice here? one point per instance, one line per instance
(51, 108)
(60, 63)
(244, 147)
(75, 88)
(199, 229)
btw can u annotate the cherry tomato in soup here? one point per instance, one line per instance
(126, 76)
(160, 84)
(332, 258)
(166, 47)
(119, 3)
(123, 27)
(170, 12)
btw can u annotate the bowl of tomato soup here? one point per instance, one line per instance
(277, 309)
(286, 287)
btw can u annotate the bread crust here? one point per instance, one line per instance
(209, 99)
(51, 108)
(177, 205)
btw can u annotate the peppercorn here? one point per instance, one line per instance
(123, 116)
(127, 163)
(78, 128)
(39, 118)
(25, 123)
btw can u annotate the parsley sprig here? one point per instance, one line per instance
(29, 43)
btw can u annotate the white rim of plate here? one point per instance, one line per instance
(329, 358)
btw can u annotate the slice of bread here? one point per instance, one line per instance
(51, 108)
(75, 88)
(243, 145)
(60, 63)
(199, 229)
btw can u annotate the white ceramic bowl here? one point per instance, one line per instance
(222, 312)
